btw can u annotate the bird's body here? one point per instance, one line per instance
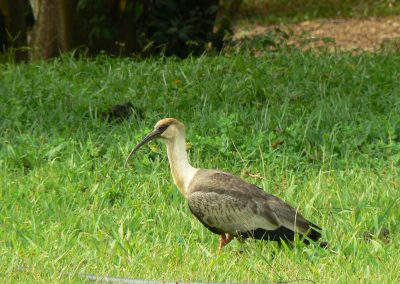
(226, 204)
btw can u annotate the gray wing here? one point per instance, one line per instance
(225, 203)
(222, 212)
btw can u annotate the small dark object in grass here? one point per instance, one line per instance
(121, 112)
(384, 235)
(397, 138)
(26, 164)
(277, 143)
(368, 236)
(324, 245)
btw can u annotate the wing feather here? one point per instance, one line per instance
(228, 204)
(226, 213)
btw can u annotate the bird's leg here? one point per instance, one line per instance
(224, 240)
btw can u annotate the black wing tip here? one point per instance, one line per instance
(284, 235)
(313, 234)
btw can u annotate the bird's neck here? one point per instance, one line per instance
(181, 170)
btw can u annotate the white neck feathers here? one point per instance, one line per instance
(181, 170)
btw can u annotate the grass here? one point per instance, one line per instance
(320, 131)
(278, 11)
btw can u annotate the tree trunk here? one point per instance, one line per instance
(44, 42)
(53, 30)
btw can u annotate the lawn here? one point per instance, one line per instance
(321, 131)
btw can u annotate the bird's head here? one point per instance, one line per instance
(167, 129)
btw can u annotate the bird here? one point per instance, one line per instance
(226, 204)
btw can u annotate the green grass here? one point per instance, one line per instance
(67, 204)
(278, 11)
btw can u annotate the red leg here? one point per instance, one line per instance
(224, 240)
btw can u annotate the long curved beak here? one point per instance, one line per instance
(153, 135)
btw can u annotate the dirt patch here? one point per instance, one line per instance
(369, 34)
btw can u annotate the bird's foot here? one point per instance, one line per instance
(224, 240)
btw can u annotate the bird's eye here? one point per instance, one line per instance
(163, 127)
